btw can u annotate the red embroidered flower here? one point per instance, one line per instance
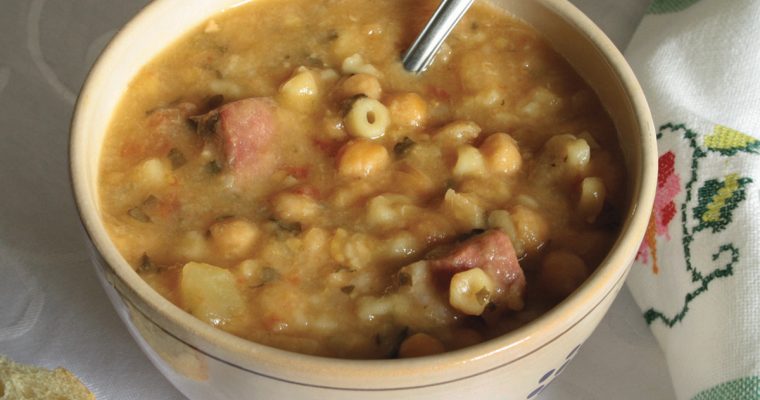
(668, 187)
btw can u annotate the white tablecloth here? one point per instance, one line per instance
(52, 310)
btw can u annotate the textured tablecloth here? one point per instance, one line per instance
(52, 310)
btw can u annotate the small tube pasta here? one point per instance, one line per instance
(470, 291)
(469, 162)
(368, 118)
(360, 84)
(300, 91)
(355, 65)
(591, 201)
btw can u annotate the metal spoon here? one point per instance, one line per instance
(422, 52)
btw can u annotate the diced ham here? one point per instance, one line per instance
(247, 128)
(492, 252)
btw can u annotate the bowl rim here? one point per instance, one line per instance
(234, 350)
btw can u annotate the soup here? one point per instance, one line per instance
(277, 174)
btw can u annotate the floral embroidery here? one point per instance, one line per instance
(668, 187)
(716, 201)
(728, 142)
(549, 376)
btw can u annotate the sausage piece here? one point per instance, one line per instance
(492, 252)
(245, 130)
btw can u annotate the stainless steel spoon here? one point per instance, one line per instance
(422, 52)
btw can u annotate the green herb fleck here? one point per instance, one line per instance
(402, 147)
(214, 167)
(177, 158)
(268, 274)
(138, 214)
(146, 265)
(483, 295)
(404, 279)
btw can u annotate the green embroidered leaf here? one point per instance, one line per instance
(717, 200)
(742, 388)
(728, 142)
(668, 6)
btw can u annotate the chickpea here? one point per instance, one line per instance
(233, 237)
(408, 109)
(531, 228)
(562, 272)
(420, 344)
(295, 207)
(501, 153)
(357, 84)
(360, 158)
(592, 198)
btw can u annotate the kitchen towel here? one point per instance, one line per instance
(697, 274)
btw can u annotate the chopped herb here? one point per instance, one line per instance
(314, 61)
(292, 227)
(268, 274)
(223, 217)
(402, 335)
(214, 167)
(138, 214)
(483, 295)
(206, 124)
(345, 105)
(146, 265)
(340, 268)
(470, 234)
(177, 158)
(404, 279)
(214, 101)
(402, 147)
(347, 289)
(332, 35)
(150, 201)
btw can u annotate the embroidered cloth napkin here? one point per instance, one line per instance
(697, 274)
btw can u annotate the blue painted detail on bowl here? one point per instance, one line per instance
(546, 376)
(549, 376)
(536, 391)
(573, 351)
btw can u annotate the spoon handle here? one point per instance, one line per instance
(422, 52)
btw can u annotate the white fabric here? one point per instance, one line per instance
(700, 69)
(52, 310)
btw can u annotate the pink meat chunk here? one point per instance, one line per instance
(246, 128)
(492, 252)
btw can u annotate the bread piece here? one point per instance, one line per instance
(23, 382)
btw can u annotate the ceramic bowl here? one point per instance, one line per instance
(206, 363)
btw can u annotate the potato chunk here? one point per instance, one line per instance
(210, 293)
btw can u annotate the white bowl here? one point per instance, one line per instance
(206, 363)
